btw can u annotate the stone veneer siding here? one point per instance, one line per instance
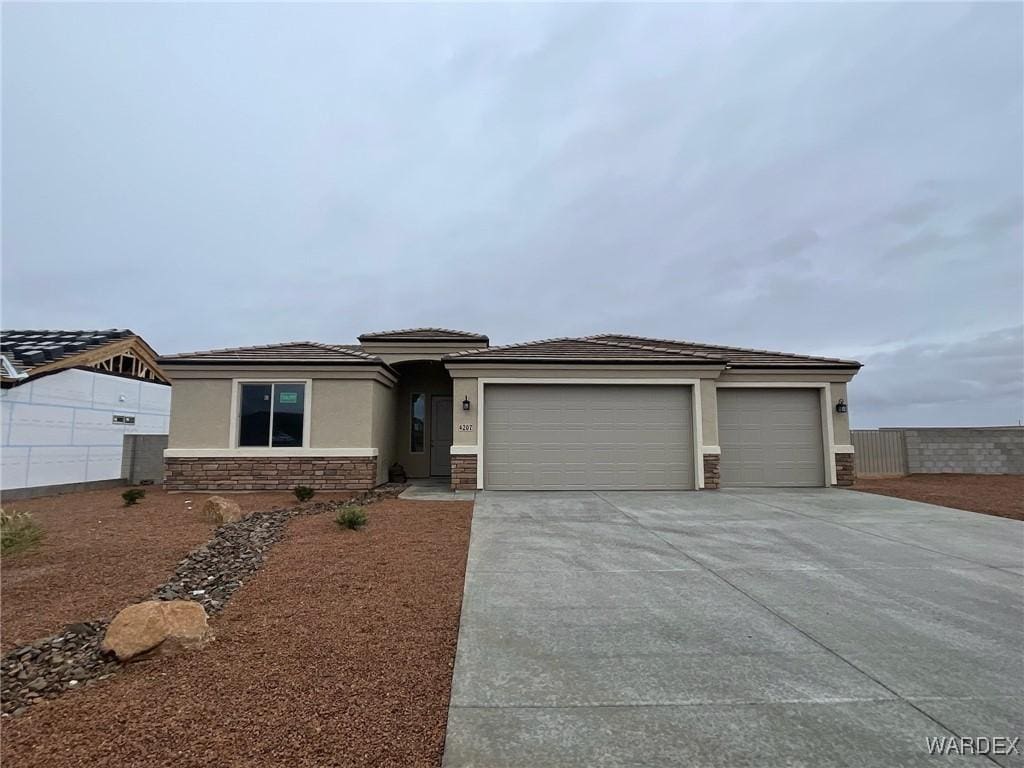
(270, 473)
(463, 472)
(845, 473)
(712, 471)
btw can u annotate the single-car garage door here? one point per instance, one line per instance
(770, 437)
(583, 437)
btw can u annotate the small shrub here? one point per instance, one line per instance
(18, 531)
(132, 496)
(352, 518)
(303, 492)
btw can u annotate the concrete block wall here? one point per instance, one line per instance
(983, 450)
(142, 459)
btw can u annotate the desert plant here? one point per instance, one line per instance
(351, 517)
(303, 492)
(132, 496)
(18, 531)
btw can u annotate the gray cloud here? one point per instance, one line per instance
(834, 179)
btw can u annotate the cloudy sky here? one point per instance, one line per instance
(841, 180)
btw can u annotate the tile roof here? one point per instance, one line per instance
(582, 350)
(737, 357)
(26, 350)
(288, 352)
(601, 348)
(423, 334)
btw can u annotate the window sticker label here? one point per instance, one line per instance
(287, 397)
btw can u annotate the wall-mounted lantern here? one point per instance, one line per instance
(841, 406)
(465, 403)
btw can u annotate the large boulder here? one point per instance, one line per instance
(156, 627)
(219, 510)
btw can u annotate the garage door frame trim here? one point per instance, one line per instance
(825, 395)
(694, 384)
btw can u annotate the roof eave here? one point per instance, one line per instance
(170, 362)
(796, 365)
(469, 359)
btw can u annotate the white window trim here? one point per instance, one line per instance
(255, 450)
(698, 426)
(253, 453)
(827, 434)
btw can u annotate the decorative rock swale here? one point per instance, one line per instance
(209, 575)
(48, 667)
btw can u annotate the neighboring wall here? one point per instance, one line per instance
(61, 429)
(929, 450)
(142, 460)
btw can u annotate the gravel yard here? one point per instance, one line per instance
(338, 652)
(98, 555)
(1000, 495)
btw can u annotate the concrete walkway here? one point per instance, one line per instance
(764, 628)
(434, 489)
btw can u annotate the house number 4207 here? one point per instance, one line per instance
(465, 427)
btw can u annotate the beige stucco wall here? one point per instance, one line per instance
(342, 413)
(383, 434)
(709, 412)
(463, 387)
(200, 413)
(344, 406)
(840, 421)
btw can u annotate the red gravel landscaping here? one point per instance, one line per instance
(98, 555)
(339, 652)
(1000, 495)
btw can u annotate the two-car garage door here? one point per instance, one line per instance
(616, 437)
(583, 437)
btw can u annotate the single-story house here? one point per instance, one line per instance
(67, 399)
(598, 412)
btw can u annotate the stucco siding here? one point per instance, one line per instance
(840, 421)
(200, 413)
(709, 412)
(342, 412)
(468, 420)
(342, 415)
(385, 404)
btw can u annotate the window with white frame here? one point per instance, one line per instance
(271, 414)
(417, 422)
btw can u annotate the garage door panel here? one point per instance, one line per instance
(582, 437)
(770, 437)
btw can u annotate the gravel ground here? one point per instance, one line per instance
(114, 555)
(1000, 495)
(338, 652)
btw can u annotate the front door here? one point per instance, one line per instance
(440, 435)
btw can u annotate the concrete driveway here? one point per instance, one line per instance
(758, 628)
